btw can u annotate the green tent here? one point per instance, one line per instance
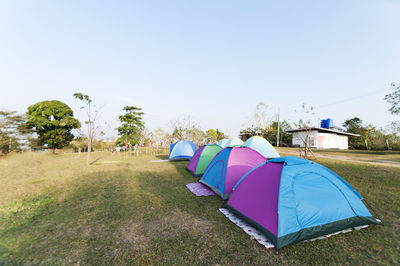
(202, 158)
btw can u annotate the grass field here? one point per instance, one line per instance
(124, 210)
(364, 155)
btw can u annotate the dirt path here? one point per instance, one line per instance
(351, 159)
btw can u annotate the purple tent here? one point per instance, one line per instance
(227, 167)
(290, 199)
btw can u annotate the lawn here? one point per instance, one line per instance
(363, 155)
(125, 209)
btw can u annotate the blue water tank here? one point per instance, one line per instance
(329, 123)
(323, 123)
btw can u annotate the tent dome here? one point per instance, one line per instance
(262, 146)
(234, 142)
(227, 167)
(202, 158)
(223, 142)
(291, 199)
(182, 150)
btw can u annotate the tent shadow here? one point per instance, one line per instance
(172, 190)
(162, 156)
(76, 228)
(180, 166)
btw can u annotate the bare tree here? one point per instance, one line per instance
(391, 132)
(92, 113)
(305, 123)
(260, 121)
(394, 99)
(261, 117)
(186, 128)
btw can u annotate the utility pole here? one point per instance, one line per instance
(277, 134)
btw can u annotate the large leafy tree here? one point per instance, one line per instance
(131, 126)
(52, 121)
(355, 125)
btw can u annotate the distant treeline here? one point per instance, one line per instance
(50, 125)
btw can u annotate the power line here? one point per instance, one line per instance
(338, 102)
(353, 98)
(345, 100)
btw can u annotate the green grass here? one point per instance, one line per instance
(128, 210)
(364, 155)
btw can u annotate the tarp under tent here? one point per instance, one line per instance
(262, 146)
(227, 167)
(310, 199)
(182, 150)
(223, 142)
(234, 142)
(202, 158)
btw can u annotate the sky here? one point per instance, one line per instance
(211, 60)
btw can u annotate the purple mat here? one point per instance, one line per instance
(199, 189)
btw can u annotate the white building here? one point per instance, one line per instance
(321, 138)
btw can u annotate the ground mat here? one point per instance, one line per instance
(199, 189)
(260, 238)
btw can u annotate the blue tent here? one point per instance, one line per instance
(262, 146)
(182, 150)
(234, 142)
(290, 199)
(223, 142)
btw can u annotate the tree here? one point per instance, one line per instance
(181, 127)
(355, 125)
(261, 119)
(352, 124)
(27, 136)
(220, 135)
(178, 133)
(160, 136)
(211, 135)
(305, 123)
(10, 127)
(186, 129)
(285, 139)
(392, 135)
(196, 135)
(79, 144)
(260, 122)
(131, 125)
(394, 99)
(52, 121)
(92, 113)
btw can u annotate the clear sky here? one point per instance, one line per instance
(212, 60)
